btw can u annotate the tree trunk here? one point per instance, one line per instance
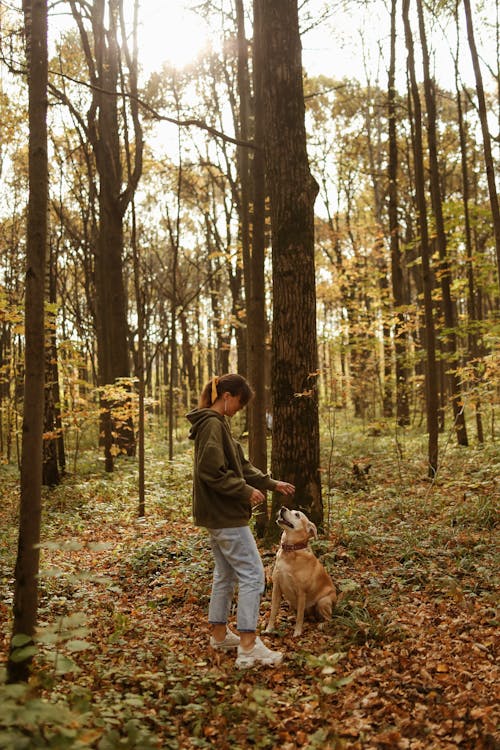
(430, 336)
(113, 350)
(174, 231)
(450, 338)
(398, 291)
(292, 190)
(25, 605)
(483, 117)
(53, 438)
(140, 368)
(242, 132)
(473, 317)
(256, 306)
(138, 280)
(103, 62)
(188, 362)
(379, 255)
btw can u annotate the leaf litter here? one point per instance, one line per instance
(409, 659)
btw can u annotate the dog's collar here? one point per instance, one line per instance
(294, 547)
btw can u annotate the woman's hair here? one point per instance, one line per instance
(231, 383)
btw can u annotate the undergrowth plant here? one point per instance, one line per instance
(115, 669)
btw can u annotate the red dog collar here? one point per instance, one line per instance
(293, 547)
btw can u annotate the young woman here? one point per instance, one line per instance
(226, 486)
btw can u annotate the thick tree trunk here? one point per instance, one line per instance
(292, 190)
(112, 338)
(243, 131)
(256, 306)
(27, 564)
(113, 350)
(103, 57)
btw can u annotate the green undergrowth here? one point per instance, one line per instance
(113, 677)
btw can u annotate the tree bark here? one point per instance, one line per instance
(483, 117)
(450, 338)
(256, 306)
(25, 605)
(430, 336)
(112, 326)
(472, 307)
(103, 61)
(292, 190)
(398, 291)
(53, 441)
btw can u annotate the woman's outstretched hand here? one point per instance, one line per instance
(285, 488)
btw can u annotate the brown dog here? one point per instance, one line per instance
(298, 575)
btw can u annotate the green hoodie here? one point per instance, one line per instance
(223, 479)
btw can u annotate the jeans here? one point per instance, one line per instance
(237, 561)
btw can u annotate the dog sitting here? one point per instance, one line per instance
(298, 575)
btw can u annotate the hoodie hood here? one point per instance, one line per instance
(198, 417)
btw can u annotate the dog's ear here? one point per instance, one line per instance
(313, 531)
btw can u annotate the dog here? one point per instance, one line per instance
(298, 575)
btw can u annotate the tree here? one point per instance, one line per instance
(53, 441)
(430, 335)
(398, 291)
(292, 192)
(473, 312)
(102, 55)
(27, 564)
(483, 117)
(256, 302)
(450, 338)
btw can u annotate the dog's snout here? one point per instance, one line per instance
(280, 516)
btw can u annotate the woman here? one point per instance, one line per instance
(226, 486)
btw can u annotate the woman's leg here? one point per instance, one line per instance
(241, 556)
(251, 582)
(242, 562)
(223, 585)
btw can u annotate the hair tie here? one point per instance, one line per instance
(215, 380)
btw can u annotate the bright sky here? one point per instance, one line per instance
(170, 31)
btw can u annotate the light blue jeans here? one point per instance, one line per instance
(237, 561)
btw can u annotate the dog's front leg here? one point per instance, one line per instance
(275, 603)
(301, 605)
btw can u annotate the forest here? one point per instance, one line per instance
(335, 239)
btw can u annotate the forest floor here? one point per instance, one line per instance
(409, 659)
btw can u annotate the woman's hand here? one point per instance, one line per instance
(285, 488)
(256, 498)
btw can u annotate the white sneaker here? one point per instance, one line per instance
(230, 641)
(259, 654)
